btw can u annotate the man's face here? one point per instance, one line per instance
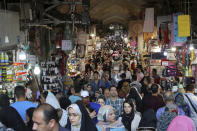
(38, 122)
(113, 92)
(107, 93)
(85, 100)
(95, 76)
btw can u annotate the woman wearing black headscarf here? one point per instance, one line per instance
(11, 119)
(79, 119)
(29, 115)
(130, 117)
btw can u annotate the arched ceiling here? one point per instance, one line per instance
(120, 11)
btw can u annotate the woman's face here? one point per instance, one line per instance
(127, 108)
(111, 116)
(101, 102)
(73, 117)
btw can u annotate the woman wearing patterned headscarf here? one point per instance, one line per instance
(107, 121)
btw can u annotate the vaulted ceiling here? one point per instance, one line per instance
(120, 11)
(102, 11)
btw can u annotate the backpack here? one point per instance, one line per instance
(180, 102)
(124, 89)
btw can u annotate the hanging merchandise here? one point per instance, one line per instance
(149, 20)
(183, 58)
(50, 77)
(6, 59)
(9, 77)
(20, 73)
(4, 74)
(164, 33)
(162, 20)
(192, 55)
(0, 75)
(2, 58)
(183, 25)
(175, 39)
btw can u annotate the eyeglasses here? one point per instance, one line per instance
(72, 115)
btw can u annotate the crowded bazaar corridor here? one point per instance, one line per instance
(98, 65)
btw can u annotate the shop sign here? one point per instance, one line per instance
(171, 56)
(164, 63)
(66, 45)
(155, 62)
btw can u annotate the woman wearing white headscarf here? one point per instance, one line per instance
(79, 119)
(107, 121)
(52, 100)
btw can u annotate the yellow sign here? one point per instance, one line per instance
(183, 25)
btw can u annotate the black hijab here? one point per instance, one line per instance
(29, 112)
(86, 122)
(148, 119)
(11, 119)
(128, 118)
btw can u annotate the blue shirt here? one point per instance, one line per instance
(22, 106)
(161, 110)
(73, 98)
(117, 105)
(96, 86)
(63, 129)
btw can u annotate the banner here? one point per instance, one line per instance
(175, 39)
(184, 25)
(149, 20)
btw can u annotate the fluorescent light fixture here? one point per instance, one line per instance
(6, 39)
(92, 35)
(36, 70)
(126, 40)
(191, 47)
(173, 49)
(22, 55)
(165, 53)
(57, 46)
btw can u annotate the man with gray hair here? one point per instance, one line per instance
(170, 105)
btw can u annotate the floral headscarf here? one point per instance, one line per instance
(102, 118)
(104, 113)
